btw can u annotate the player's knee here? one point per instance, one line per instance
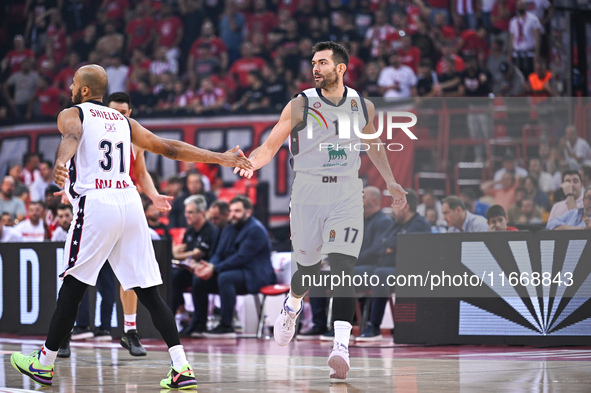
(341, 263)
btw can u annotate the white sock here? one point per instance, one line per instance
(294, 303)
(342, 332)
(129, 322)
(47, 357)
(177, 354)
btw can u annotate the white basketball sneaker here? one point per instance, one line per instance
(338, 361)
(285, 324)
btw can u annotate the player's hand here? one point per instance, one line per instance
(64, 198)
(247, 173)
(398, 195)
(60, 174)
(161, 202)
(179, 248)
(230, 159)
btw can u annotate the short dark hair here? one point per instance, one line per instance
(453, 202)
(468, 193)
(223, 206)
(412, 200)
(586, 170)
(495, 211)
(339, 53)
(120, 97)
(244, 200)
(63, 206)
(571, 172)
(48, 163)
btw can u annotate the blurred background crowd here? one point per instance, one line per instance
(249, 56)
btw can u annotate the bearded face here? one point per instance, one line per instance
(326, 80)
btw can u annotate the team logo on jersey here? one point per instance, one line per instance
(317, 105)
(334, 153)
(306, 108)
(354, 106)
(110, 127)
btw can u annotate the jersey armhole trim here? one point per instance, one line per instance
(80, 113)
(364, 107)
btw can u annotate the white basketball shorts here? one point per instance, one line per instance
(111, 225)
(326, 216)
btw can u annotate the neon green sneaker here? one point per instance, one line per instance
(30, 366)
(182, 379)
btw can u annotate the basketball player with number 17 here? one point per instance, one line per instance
(326, 202)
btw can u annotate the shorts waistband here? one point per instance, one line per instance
(324, 179)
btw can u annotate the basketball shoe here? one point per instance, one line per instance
(285, 324)
(30, 366)
(338, 361)
(182, 379)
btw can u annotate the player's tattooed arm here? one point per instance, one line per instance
(70, 126)
(380, 160)
(182, 151)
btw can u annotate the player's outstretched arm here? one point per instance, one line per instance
(263, 154)
(69, 124)
(161, 202)
(182, 151)
(380, 160)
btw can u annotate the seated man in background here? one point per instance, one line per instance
(241, 264)
(33, 229)
(571, 187)
(497, 219)
(459, 219)
(196, 245)
(407, 221)
(575, 218)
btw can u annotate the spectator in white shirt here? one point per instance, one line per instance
(9, 235)
(64, 219)
(545, 180)
(524, 45)
(38, 187)
(509, 165)
(576, 150)
(117, 75)
(397, 80)
(33, 229)
(8, 202)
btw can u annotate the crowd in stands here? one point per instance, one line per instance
(219, 56)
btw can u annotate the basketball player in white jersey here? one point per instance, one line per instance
(93, 162)
(326, 203)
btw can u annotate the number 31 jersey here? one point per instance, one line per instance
(103, 157)
(325, 144)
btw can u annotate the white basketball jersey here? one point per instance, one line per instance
(326, 144)
(103, 157)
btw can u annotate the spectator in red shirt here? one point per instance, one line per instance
(15, 58)
(209, 98)
(247, 63)
(46, 64)
(447, 52)
(48, 100)
(260, 20)
(140, 30)
(474, 43)
(225, 81)
(218, 48)
(115, 9)
(139, 69)
(169, 32)
(63, 79)
(57, 31)
(409, 55)
(500, 16)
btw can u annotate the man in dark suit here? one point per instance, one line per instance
(241, 264)
(407, 221)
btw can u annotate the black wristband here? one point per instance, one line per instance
(571, 194)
